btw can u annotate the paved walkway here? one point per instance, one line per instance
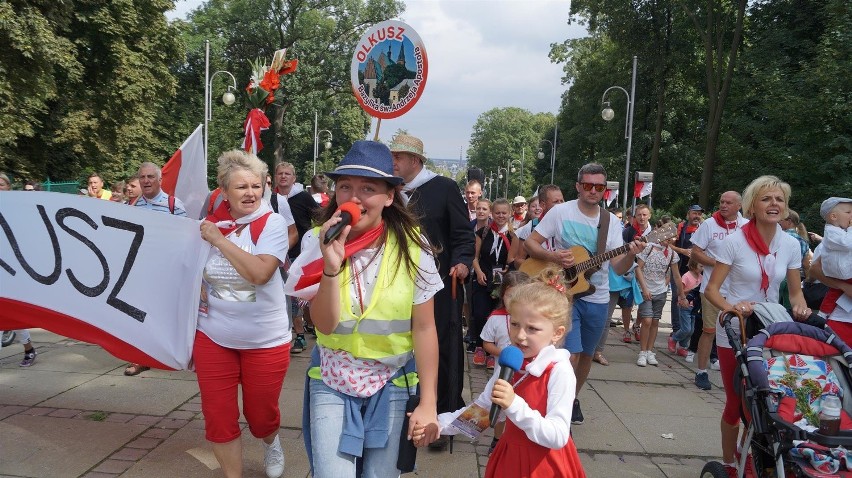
(74, 414)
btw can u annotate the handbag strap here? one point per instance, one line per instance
(603, 229)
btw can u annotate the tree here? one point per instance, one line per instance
(500, 137)
(83, 84)
(721, 31)
(322, 35)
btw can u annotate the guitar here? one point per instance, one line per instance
(585, 264)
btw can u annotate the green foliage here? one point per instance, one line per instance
(83, 83)
(788, 112)
(507, 138)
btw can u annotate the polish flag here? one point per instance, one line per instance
(641, 189)
(610, 195)
(185, 174)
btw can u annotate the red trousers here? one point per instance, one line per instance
(220, 370)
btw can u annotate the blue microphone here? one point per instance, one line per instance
(511, 360)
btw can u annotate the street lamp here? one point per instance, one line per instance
(228, 98)
(608, 114)
(511, 166)
(500, 178)
(317, 133)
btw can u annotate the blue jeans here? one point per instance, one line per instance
(327, 417)
(687, 322)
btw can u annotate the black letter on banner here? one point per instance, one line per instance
(57, 254)
(113, 299)
(84, 289)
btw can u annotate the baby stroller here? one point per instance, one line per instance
(783, 372)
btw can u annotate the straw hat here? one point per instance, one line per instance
(404, 143)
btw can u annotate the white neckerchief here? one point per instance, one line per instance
(497, 245)
(422, 177)
(263, 209)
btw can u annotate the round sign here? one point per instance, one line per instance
(389, 69)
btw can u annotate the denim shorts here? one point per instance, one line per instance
(587, 325)
(653, 308)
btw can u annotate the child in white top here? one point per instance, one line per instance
(495, 334)
(837, 247)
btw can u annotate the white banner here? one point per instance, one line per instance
(123, 277)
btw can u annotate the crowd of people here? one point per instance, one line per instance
(390, 294)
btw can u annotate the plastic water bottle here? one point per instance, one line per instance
(829, 415)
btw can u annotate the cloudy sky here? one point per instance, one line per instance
(482, 54)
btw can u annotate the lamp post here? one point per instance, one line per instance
(317, 133)
(490, 185)
(511, 166)
(607, 114)
(540, 156)
(228, 98)
(500, 178)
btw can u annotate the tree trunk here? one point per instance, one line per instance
(277, 125)
(719, 75)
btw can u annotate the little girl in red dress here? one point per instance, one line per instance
(538, 400)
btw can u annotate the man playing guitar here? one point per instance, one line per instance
(576, 223)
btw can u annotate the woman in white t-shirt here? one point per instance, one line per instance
(752, 263)
(243, 336)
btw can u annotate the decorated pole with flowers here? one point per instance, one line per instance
(261, 90)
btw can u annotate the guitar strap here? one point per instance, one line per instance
(603, 230)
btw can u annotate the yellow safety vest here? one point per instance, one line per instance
(383, 331)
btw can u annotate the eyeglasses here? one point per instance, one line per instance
(598, 187)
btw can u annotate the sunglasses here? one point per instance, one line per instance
(598, 187)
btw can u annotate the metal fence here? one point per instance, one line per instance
(70, 187)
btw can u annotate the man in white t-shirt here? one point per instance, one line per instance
(548, 196)
(575, 223)
(706, 245)
(472, 193)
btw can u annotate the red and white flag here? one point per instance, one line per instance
(185, 174)
(641, 189)
(256, 121)
(610, 195)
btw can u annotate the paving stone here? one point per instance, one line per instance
(144, 443)
(172, 423)
(10, 410)
(146, 420)
(119, 417)
(159, 433)
(182, 414)
(38, 411)
(113, 466)
(64, 413)
(129, 454)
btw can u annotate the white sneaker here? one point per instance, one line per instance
(714, 365)
(690, 357)
(642, 360)
(273, 458)
(651, 357)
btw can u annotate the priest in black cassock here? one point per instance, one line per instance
(439, 204)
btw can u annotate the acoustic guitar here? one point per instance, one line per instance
(586, 264)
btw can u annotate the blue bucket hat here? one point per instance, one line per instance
(368, 159)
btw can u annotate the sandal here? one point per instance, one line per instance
(599, 358)
(135, 369)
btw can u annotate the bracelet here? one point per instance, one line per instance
(332, 275)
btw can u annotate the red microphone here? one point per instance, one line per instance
(350, 213)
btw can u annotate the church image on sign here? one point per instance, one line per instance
(386, 75)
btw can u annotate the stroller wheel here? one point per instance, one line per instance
(714, 469)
